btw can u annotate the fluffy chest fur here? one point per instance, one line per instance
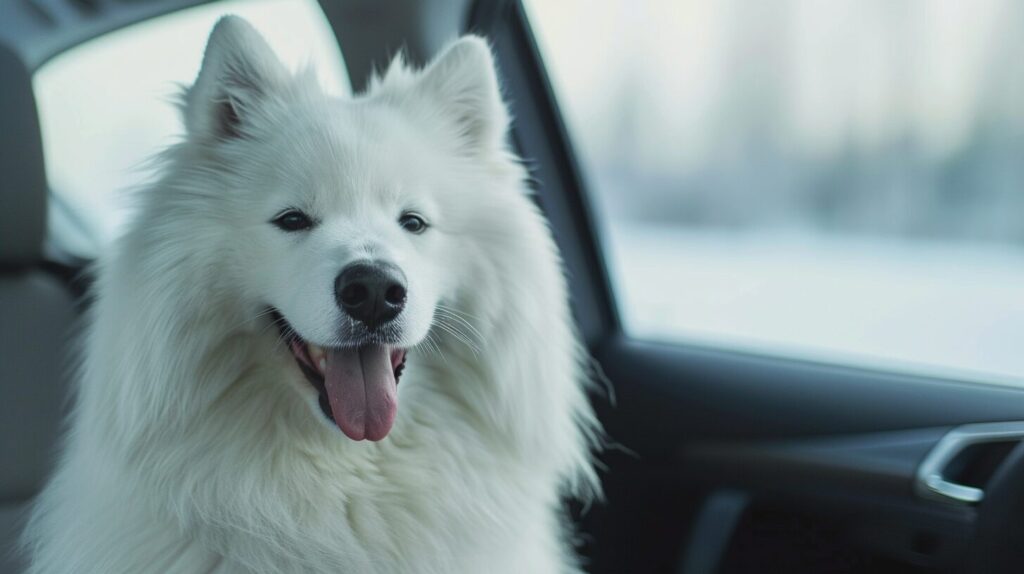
(453, 489)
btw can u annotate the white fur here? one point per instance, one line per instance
(195, 444)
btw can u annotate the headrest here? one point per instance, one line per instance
(22, 175)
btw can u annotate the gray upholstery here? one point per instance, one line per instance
(22, 176)
(37, 313)
(12, 521)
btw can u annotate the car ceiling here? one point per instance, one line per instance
(369, 31)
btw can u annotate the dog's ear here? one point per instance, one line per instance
(463, 83)
(239, 71)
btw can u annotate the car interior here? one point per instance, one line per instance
(719, 459)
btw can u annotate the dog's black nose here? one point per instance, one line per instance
(371, 293)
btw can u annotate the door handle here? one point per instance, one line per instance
(931, 481)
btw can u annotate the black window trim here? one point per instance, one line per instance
(540, 129)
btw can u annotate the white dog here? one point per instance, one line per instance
(239, 408)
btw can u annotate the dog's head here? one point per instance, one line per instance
(346, 214)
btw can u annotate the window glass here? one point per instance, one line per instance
(839, 180)
(107, 106)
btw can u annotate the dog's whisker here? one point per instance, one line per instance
(462, 315)
(443, 325)
(455, 315)
(457, 335)
(458, 312)
(433, 347)
(448, 319)
(252, 319)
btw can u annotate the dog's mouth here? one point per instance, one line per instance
(357, 386)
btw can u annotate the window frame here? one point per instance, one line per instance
(541, 137)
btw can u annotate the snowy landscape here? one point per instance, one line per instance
(839, 181)
(953, 310)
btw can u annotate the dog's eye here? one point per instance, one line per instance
(293, 220)
(412, 223)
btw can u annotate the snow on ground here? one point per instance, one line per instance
(947, 309)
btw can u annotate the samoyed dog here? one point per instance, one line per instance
(335, 338)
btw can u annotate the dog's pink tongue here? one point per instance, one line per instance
(361, 388)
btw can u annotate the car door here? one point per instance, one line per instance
(798, 315)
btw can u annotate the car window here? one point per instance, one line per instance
(107, 106)
(839, 181)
